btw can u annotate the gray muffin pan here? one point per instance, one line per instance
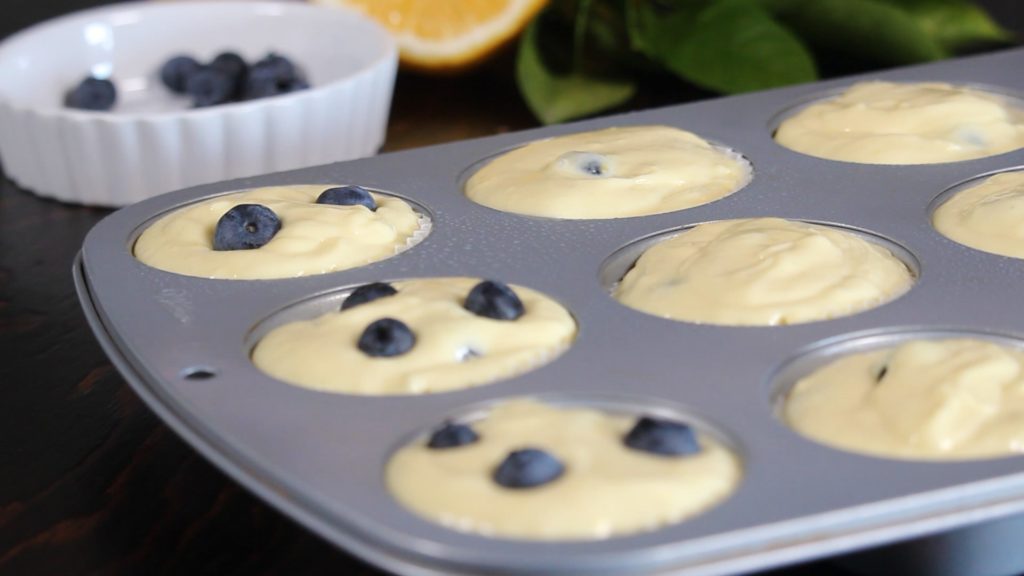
(183, 343)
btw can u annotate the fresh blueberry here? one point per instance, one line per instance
(386, 337)
(176, 72)
(467, 353)
(528, 468)
(587, 163)
(271, 76)
(277, 67)
(348, 196)
(246, 226)
(92, 94)
(260, 85)
(452, 435)
(662, 437)
(295, 85)
(209, 87)
(368, 293)
(495, 300)
(235, 67)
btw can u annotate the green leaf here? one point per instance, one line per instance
(654, 26)
(872, 30)
(954, 24)
(579, 33)
(556, 98)
(725, 45)
(601, 42)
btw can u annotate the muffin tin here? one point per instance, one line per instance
(183, 344)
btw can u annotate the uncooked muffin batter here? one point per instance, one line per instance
(607, 489)
(454, 348)
(890, 123)
(314, 238)
(610, 173)
(960, 398)
(988, 216)
(764, 271)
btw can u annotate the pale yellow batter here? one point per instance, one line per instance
(988, 216)
(764, 271)
(606, 490)
(454, 348)
(642, 170)
(937, 399)
(314, 238)
(888, 123)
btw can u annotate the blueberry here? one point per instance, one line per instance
(92, 94)
(260, 85)
(209, 87)
(176, 72)
(368, 293)
(452, 435)
(492, 299)
(386, 337)
(295, 85)
(528, 468)
(348, 196)
(467, 353)
(273, 75)
(585, 162)
(246, 226)
(662, 437)
(277, 67)
(235, 67)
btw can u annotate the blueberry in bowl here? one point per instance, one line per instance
(229, 78)
(235, 67)
(175, 72)
(209, 86)
(336, 110)
(92, 94)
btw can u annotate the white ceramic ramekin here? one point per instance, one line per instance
(152, 142)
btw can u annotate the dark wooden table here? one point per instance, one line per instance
(91, 482)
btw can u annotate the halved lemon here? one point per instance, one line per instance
(447, 34)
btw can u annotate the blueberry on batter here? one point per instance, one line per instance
(528, 468)
(587, 163)
(662, 437)
(368, 293)
(348, 196)
(246, 226)
(452, 435)
(495, 300)
(467, 353)
(881, 374)
(386, 337)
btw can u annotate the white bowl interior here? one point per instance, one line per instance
(129, 42)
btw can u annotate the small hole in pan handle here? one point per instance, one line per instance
(198, 373)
